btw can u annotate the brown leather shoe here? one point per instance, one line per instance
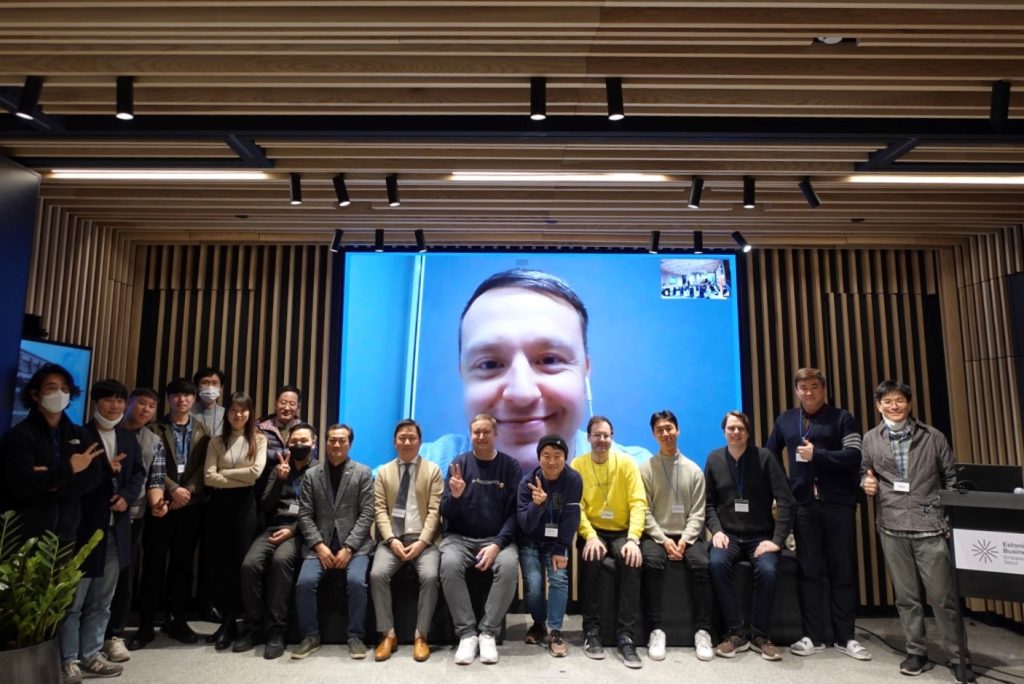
(420, 650)
(385, 647)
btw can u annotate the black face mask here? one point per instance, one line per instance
(300, 452)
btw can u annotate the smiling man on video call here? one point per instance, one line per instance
(523, 358)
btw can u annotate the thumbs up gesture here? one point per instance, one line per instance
(539, 495)
(870, 483)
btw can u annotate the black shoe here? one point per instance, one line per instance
(592, 647)
(536, 633)
(274, 648)
(212, 614)
(969, 674)
(215, 637)
(141, 638)
(244, 642)
(227, 635)
(914, 665)
(180, 631)
(627, 653)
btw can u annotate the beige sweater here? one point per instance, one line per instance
(228, 466)
(686, 489)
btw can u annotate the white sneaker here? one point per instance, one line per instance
(656, 645)
(466, 651)
(115, 650)
(702, 642)
(854, 649)
(806, 647)
(488, 649)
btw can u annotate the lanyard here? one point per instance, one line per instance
(800, 426)
(607, 485)
(673, 480)
(738, 473)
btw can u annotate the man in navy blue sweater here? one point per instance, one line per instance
(479, 509)
(823, 444)
(548, 515)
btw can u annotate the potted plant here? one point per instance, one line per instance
(38, 577)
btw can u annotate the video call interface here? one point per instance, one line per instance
(663, 333)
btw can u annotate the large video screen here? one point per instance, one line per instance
(662, 333)
(34, 354)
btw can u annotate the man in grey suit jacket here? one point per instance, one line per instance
(335, 514)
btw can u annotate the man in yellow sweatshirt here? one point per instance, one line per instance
(612, 516)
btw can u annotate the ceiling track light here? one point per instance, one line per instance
(741, 242)
(538, 98)
(421, 240)
(616, 109)
(813, 201)
(295, 179)
(749, 192)
(336, 243)
(28, 103)
(698, 242)
(341, 190)
(696, 188)
(655, 241)
(378, 240)
(125, 98)
(392, 183)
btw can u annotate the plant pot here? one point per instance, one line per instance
(39, 664)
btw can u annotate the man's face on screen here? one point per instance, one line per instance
(523, 362)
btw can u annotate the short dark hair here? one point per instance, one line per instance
(890, 386)
(105, 389)
(342, 426)
(288, 388)
(664, 414)
(408, 422)
(599, 419)
(35, 383)
(740, 415)
(146, 392)
(302, 426)
(534, 281)
(180, 386)
(809, 374)
(207, 371)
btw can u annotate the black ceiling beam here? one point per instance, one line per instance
(999, 109)
(884, 158)
(249, 152)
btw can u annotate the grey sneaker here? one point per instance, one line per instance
(71, 673)
(627, 653)
(356, 648)
(308, 646)
(98, 666)
(592, 646)
(115, 651)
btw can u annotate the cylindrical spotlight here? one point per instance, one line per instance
(696, 188)
(748, 192)
(378, 240)
(538, 98)
(616, 109)
(336, 240)
(341, 190)
(698, 242)
(740, 241)
(808, 190)
(392, 183)
(655, 241)
(421, 240)
(28, 103)
(296, 187)
(125, 98)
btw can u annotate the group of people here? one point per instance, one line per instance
(272, 513)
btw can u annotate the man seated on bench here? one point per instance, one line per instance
(741, 482)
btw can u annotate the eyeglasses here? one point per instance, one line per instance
(893, 403)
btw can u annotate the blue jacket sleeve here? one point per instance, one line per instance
(570, 521)
(507, 535)
(848, 457)
(449, 504)
(528, 515)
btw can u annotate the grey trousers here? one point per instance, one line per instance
(929, 558)
(459, 553)
(385, 565)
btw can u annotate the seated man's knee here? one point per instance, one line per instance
(558, 579)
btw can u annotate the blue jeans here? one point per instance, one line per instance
(535, 563)
(765, 576)
(309, 582)
(81, 634)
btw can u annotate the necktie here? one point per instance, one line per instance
(400, 501)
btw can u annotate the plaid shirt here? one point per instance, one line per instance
(157, 471)
(899, 442)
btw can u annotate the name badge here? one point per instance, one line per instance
(800, 459)
(607, 515)
(181, 468)
(551, 530)
(398, 513)
(742, 506)
(293, 509)
(678, 508)
(900, 486)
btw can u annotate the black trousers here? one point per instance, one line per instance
(628, 585)
(230, 528)
(825, 548)
(169, 545)
(653, 573)
(268, 574)
(121, 604)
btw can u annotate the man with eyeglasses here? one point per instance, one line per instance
(823, 444)
(276, 427)
(905, 465)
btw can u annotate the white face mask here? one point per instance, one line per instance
(104, 423)
(209, 394)
(55, 401)
(894, 426)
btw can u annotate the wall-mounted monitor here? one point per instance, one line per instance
(34, 354)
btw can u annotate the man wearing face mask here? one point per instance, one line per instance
(268, 571)
(48, 462)
(208, 410)
(104, 508)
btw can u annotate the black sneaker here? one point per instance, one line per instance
(914, 665)
(245, 642)
(969, 674)
(627, 653)
(536, 633)
(592, 646)
(180, 631)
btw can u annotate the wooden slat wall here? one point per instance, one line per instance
(81, 283)
(261, 313)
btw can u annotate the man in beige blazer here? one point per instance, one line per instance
(406, 499)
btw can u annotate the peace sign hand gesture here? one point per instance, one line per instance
(539, 495)
(455, 483)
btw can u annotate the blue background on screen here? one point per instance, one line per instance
(76, 359)
(647, 353)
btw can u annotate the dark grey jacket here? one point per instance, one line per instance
(349, 513)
